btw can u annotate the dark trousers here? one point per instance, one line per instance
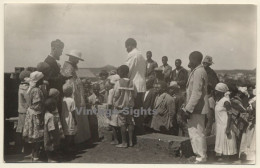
(139, 119)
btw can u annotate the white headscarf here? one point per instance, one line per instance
(34, 78)
(222, 87)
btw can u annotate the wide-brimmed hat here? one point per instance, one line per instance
(75, 53)
(208, 59)
(36, 76)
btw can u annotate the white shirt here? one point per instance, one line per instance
(146, 93)
(137, 68)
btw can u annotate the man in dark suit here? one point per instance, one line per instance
(180, 75)
(55, 79)
(148, 101)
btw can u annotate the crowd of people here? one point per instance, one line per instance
(177, 102)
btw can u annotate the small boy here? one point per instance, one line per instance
(102, 83)
(112, 117)
(68, 117)
(93, 101)
(52, 134)
(123, 102)
(55, 94)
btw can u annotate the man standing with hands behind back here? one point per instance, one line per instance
(197, 106)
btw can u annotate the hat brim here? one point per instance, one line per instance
(208, 62)
(75, 57)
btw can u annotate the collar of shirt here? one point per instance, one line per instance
(146, 93)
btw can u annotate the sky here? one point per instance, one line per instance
(225, 32)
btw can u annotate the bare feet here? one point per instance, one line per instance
(114, 143)
(121, 146)
(131, 144)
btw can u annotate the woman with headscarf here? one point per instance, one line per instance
(70, 70)
(34, 121)
(225, 137)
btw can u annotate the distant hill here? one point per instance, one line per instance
(236, 71)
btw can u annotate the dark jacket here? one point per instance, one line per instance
(148, 103)
(150, 71)
(55, 79)
(181, 78)
(149, 100)
(212, 77)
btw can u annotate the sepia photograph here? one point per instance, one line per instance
(130, 83)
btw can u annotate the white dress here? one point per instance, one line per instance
(223, 145)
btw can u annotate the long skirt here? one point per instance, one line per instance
(224, 145)
(83, 130)
(248, 144)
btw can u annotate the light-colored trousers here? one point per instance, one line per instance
(196, 127)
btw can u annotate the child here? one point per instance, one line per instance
(52, 132)
(55, 94)
(93, 101)
(175, 92)
(34, 120)
(68, 118)
(23, 104)
(112, 118)
(124, 99)
(225, 137)
(103, 80)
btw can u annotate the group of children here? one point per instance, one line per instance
(39, 122)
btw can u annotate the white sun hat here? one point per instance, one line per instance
(75, 53)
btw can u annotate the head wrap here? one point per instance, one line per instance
(243, 90)
(114, 78)
(222, 87)
(207, 59)
(113, 72)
